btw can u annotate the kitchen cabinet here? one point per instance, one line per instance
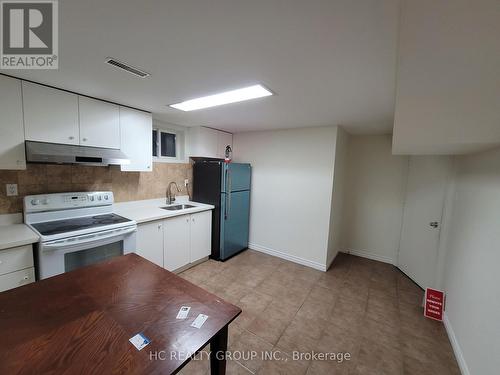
(50, 115)
(203, 142)
(12, 155)
(187, 239)
(207, 142)
(176, 242)
(135, 132)
(200, 235)
(150, 241)
(16, 267)
(99, 123)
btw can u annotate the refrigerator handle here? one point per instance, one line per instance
(225, 196)
(228, 194)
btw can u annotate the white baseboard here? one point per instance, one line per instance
(329, 263)
(291, 258)
(368, 255)
(464, 369)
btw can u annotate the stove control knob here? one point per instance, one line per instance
(92, 198)
(106, 197)
(35, 202)
(99, 197)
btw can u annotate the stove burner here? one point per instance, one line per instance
(70, 225)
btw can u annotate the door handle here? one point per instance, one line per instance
(434, 224)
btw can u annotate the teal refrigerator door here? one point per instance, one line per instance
(235, 177)
(235, 216)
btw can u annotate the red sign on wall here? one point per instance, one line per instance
(434, 304)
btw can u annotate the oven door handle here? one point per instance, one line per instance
(66, 243)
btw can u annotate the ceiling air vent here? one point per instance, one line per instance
(127, 67)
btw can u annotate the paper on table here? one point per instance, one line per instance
(200, 319)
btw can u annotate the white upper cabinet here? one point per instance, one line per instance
(99, 123)
(223, 140)
(136, 139)
(208, 143)
(12, 154)
(50, 115)
(203, 142)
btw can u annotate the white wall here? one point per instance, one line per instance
(292, 181)
(471, 277)
(448, 83)
(337, 210)
(376, 182)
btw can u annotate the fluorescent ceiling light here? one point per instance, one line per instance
(233, 96)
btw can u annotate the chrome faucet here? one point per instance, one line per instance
(170, 198)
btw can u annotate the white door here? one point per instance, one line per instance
(136, 139)
(150, 241)
(12, 155)
(423, 210)
(201, 235)
(50, 115)
(176, 242)
(99, 123)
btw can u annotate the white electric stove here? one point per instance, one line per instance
(76, 230)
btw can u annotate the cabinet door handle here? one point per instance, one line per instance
(26, 277)
(84, 139)
(193, 219)
(159, 226)
(71, 137)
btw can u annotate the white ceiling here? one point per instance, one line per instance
(330, 62)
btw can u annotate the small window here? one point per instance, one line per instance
(168, 145)
(164, 144)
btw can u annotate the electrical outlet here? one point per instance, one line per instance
(11, 190)
(186, 182)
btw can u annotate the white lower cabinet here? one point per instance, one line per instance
(16, 267)
(201, 235)
(176, 242)
(18, 278)
(150, 241)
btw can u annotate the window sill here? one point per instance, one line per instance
(157, 159)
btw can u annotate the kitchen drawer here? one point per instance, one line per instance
(15, 259)
(18, 278)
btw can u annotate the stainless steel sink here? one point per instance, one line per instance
(177, 207)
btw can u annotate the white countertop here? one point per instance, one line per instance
(150, 209)
(16, 235)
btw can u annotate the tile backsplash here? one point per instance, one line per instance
(126, 186)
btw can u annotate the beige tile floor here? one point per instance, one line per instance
(362, 307)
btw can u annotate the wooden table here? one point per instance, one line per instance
(81, 322)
